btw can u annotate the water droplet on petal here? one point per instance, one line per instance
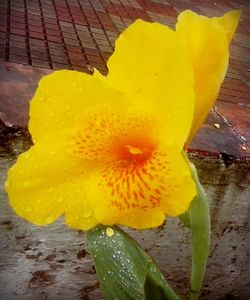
(88, 212)
(27, 154)
(42, 97)
(60, 199)
(49, 219)
(7, 184)
(26, 183)
(28, 209)
(51, 189)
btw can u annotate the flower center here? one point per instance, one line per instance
(134, 150)
(127, 143)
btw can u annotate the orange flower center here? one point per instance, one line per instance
(129, 143)
(133, 149)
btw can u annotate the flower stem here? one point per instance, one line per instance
(200, 229)
(197, 219)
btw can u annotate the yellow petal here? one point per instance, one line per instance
(141, 195)
(64, 98)
(229, 21)
(206, 41)
(150, 65)
(78, 212)
(180, 186)
(47, 180)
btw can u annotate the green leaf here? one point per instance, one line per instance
(124, 270)
(197, 219)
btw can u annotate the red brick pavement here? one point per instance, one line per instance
(80, 35)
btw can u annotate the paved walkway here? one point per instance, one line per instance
(80, 35)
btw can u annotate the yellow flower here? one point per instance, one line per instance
(206, 42)
(108, 149)
(107, 155)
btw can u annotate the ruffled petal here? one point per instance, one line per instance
(150, 65)
(47, 180)
(206, 42)
(180, 187)
(64, 98)
(229, 21)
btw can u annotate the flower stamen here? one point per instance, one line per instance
(134, 150)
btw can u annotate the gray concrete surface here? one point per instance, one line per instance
(53, 262)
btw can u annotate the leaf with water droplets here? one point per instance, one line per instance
(125, 271)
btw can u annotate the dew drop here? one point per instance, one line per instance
(88, 212)
(60, 199)
(26, 183)
(7, 184)
(42, 97)
(27, 154)
(51, 189)
(28, 209)
(109, 232)
(49, 219)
